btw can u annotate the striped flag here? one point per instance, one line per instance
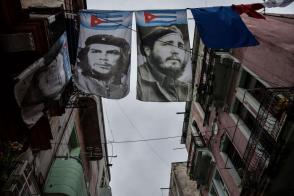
(158, 18)
(104, 19)
(161, 17)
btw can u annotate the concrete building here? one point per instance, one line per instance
(238, 129)
(65, 152)
(180, 182)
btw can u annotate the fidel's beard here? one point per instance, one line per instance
(173, 72)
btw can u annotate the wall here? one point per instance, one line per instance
(180, 179)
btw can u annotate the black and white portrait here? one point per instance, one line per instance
(43, 82)
(103, 59)
(103, 66)
(164, 69)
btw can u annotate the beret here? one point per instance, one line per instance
(158, 32)
(108, 40)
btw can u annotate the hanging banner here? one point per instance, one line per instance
(103, 62)
(43, 82)
(164, 57)
(277, 3)
(222, 27)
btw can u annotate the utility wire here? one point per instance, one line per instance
(111, 131)
(130, 141)
(112, 135)
(143, 140)
(142, 136)
(153, 139)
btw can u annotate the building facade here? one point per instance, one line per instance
(180, 182)
(238, 130)
(65, 152)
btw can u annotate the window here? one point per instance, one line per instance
(247, 81)
(212, 191)
(244, 115)
(232, 154)
(220, 187)
(197, 136)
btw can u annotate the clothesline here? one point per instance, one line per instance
(266, 4)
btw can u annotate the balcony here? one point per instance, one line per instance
(233, 161)
(202, 166)
(218, 188)
(197, 138)
(22, 181)
(264, 144)
(249, 108)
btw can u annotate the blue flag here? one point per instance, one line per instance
(222, 27)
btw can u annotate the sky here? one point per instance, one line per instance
(142, 168)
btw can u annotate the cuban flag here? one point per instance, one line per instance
(107, 20)
(161, 17)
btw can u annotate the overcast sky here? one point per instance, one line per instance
(141, 169)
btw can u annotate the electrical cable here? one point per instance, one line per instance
(154, 139)
(143, 140)
(142, 136)
(112, 135)
(111, 131)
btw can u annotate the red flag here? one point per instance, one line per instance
(148, 17)
(95, 21)
(249, 9)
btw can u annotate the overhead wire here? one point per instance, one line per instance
(155, 138)
(143, 140)
(112, 135)
(141, 135)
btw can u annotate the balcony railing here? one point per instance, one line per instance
(262, 143)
